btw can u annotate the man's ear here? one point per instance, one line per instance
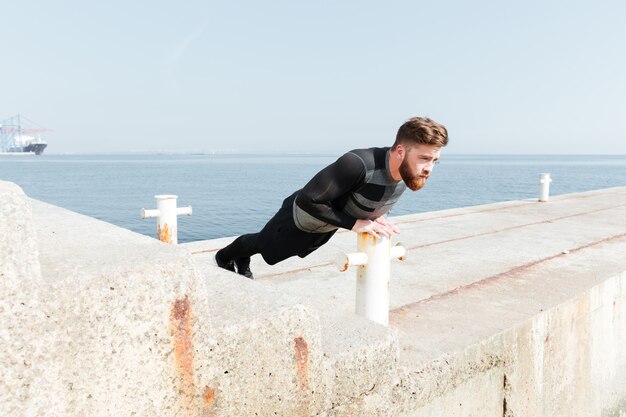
(400, 151)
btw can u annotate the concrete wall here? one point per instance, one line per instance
(566, 361)
(23, 315)
(120, 324)
(99, 321)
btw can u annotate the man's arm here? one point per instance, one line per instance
(328, 185)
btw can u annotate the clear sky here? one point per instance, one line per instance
(316, 76)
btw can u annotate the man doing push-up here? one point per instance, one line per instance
(355, 192)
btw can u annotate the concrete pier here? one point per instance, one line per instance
(509, 309)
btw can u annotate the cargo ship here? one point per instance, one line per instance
(17, 138)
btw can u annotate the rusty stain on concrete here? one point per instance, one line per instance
(294, 271)
(302, 361)
(199, 252)
(180, 319)
(209, 399)
(164, 233)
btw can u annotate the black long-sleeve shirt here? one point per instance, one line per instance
(356, 186)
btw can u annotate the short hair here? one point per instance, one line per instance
(421, 131)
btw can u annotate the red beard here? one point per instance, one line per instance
(411, 178)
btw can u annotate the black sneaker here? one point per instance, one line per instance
(243, 267)
(222, 263)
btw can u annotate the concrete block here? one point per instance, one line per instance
(24, 339)
(144, 333)
(363, 361)
(567, 360)
(18, 241)
(454, 375)
(269, 365)
(481, 395)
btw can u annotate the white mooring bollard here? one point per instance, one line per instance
(166, 214)
(373, 274)
(544, 187)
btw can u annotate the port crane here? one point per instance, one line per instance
(14, 137)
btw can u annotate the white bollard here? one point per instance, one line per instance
(166, 214)
(544, 187)
(373, 274)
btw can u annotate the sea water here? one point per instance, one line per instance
(235, 194)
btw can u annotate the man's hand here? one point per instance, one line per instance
(385, 221)
(380, 226)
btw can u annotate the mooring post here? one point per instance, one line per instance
(373, 274)
(166, 214)
(544, 187)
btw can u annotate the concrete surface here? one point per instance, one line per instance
(509, 309)
(478, 282)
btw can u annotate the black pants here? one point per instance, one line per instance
(243, 247)
(278, 240)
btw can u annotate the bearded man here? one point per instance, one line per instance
(355, 193)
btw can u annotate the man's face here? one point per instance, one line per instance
(418, 164)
